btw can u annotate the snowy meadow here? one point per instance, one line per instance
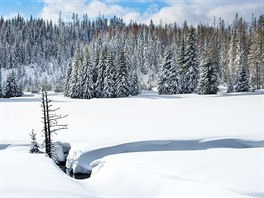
(148, 145)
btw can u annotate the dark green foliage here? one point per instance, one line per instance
(181, 64)
(208, 78)
(190, 64)
(134, 87)
(242, 81)
(123, 80)
(101, 73)
(11, 87)
(87, 83)
(168, 82)
(74, 85)
(230, 87)
(67, 80)
(109, 90)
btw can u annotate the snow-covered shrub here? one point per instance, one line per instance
(34, 148)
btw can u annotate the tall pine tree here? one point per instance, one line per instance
(168, 82)
(74, 91)
(109, 90)
(191, 64)
(11, 86)
(101, 73)
(123, 81)
(208, 78)
(242, 81)
(87, 83)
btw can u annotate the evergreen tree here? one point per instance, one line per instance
(74, 91)
(101, 73)
(242, 81)
(87, 82)
(208, 78)
(168, 82)
(134, 88)
(230, 86)
(67, 79)
(109, 90)
(11, 87)
(181, 64)
(191, 64)
(123, 81)
(34, 148)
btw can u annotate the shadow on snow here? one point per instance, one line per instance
(86, 158)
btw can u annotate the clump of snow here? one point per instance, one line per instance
(58, 153)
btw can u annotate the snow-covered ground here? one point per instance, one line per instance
(143, 146)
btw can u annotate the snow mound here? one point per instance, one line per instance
(221, 172)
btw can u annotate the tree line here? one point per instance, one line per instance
(39, 52)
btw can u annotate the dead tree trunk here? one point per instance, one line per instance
(51, 125)
(45, 130)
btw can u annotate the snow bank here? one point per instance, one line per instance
(35, 175)
(206, 173)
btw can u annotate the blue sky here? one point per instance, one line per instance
(194, 11)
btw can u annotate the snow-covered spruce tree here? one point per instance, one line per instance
(181, 63)
(230, 86)
(95, 61)
(242, 81)
(74, 88)
(109, 90)
(208, 78)
(87, 83)
(101, 73)
(168, 82)
(134, 87)
(123, 81)
(191, 64)
(67, 79)
(34, 148)
(11, 86)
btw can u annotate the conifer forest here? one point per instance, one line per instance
(107, 58)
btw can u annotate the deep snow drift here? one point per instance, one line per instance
(185, 145)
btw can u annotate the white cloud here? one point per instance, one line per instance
(92, 8)
(194, 11)
(228, 12)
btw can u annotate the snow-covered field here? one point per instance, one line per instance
(143, 146)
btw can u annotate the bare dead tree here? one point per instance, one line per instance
(51, 123)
